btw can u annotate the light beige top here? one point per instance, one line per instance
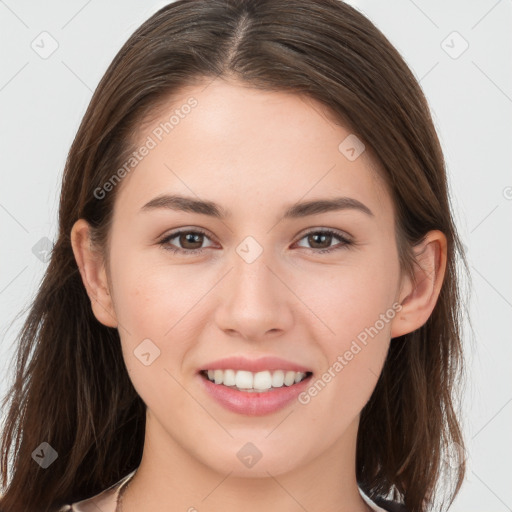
(106, 501)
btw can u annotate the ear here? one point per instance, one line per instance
(94, 276)
(419, 299)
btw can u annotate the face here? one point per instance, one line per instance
(316, 289)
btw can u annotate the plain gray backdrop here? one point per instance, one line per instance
(54, 54)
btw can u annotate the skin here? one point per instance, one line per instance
(255, 153)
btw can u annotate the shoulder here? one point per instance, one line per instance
(106, 501)
(390, 506)
(380, 504)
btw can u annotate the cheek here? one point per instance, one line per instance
(153, 297)
(351, 298)
(356, 307)
(153, 310)
(160, 303)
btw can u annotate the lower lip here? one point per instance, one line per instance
(254, 404)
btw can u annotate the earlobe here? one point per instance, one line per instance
(94, 277)
(418, 297)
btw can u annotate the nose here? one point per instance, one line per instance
(256, 300)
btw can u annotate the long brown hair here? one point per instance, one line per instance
(71, 388)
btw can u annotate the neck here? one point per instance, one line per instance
(173, 478)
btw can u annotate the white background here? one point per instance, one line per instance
(43, 100)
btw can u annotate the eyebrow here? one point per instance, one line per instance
(295, 211)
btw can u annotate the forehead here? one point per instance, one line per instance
(245, 147)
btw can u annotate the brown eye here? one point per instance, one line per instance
(190, 240)
(187, 242)
(320, 241)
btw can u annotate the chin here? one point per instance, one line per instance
(248, 462)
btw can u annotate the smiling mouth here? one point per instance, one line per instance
(255, 382)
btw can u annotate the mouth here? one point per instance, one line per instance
(254, 393)
(255, 382)
(254, 387)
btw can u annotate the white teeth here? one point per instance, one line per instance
(262, 380)
(229, 378)
(289, 378)
(218, 376)
(243, 380)
(255, 382)
(278, 379)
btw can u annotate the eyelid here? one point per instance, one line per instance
(178, 231)
(299, 236)
(187, 229)
(338, 232)
(345, 240)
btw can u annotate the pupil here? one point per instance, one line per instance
(191, 237)
(320, 235)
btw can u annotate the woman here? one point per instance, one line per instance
(301, 353)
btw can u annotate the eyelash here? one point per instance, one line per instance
(345, 242)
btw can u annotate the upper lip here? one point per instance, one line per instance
(254, 365)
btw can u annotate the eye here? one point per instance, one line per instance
(324, 237)
(186, 237)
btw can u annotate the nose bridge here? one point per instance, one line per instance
(254, 298)
(252, 273)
